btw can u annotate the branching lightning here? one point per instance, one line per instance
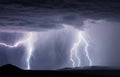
(28, 42)
(74, 53)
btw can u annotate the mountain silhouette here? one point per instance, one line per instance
(9, 67)
(88, 71)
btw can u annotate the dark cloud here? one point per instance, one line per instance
(51, 14)
(34, 18)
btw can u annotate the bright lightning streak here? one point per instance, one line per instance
(86, 49)
(12, 46)
(74, 50)
(28, 42)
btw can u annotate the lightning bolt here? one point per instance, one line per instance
(86, 48)
(74, 51)
(28, 42)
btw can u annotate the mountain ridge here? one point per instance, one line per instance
(74, 72)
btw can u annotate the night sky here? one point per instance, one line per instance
(52, 41)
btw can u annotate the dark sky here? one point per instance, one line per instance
(99, 19)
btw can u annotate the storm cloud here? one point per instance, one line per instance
(37, 15)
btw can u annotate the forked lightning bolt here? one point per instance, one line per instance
(28, 42)
(74, 50)
(74, 53)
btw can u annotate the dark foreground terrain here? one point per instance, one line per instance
(81, 72)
